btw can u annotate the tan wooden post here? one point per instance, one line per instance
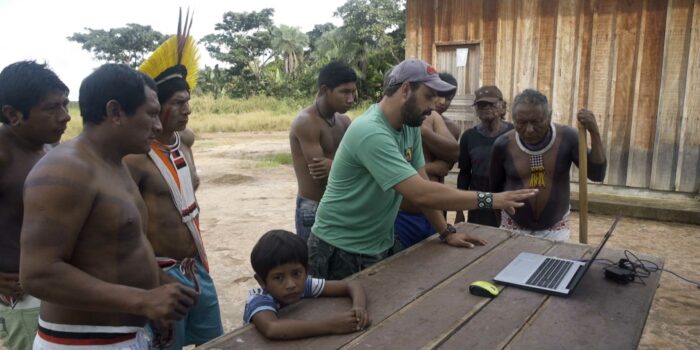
(582, 184)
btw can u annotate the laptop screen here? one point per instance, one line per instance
(602, 243)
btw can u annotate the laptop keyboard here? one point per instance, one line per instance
(550, 273)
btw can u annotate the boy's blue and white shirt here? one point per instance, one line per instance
(259, 299)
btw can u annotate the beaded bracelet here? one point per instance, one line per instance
(484, 200)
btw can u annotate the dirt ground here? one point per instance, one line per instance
(240, 201)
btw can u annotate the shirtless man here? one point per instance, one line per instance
(314, 138)
(173, 228)
(539, 154)
(441, 151)
(83, 244)
(443, 102)
(34, 113)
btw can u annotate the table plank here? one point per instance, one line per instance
(450, 300)
(599, 315)
(499, 321)
(390, 286)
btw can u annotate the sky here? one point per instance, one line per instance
(33, 29)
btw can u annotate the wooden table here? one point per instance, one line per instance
(419, 299)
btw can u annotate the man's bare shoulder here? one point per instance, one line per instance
(304, 119)
(136, 161)
(505, 139)
(187, 137)
(344, 119)
(66, 165)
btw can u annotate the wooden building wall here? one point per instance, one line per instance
(634, 63)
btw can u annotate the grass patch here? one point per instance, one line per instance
(274, 160)
(260, 113)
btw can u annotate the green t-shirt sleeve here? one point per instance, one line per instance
(379, 154)
(418, 160)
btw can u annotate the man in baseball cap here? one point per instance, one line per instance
(487, 93)
(378, 162)
(414, 70)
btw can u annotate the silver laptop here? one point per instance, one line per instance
(548, 274)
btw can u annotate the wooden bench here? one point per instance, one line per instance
(419, 299)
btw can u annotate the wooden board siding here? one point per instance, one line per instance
(525, 47)
(545, 49)
(507, 19)
(646, 98)
(427, 29)
(490, 37)
(634, 63)
(601, 59)
(412, 27)
(689, 152)
(665, 160)
(564, 62)
(626, 40)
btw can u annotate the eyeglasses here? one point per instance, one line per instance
(485, 105)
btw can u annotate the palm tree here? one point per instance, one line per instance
(289, 42)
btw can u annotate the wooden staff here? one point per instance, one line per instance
(582, 184)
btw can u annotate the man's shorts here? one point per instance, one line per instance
(305, 216)
(332, 263)
(18, 325)
(412, 228)
(53, 336)
(203, 320)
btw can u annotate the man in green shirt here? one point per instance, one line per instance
(380, 161)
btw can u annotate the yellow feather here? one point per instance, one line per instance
(166, 56)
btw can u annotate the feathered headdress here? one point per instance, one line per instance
(177, 57)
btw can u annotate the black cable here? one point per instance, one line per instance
(642, 268)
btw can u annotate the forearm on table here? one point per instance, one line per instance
(357, 294)
(295, 329)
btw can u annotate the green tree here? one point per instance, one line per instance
(129, 45)
(243, 41)
(317, 33)
(372, 37)
(214, 81)
(289, 42)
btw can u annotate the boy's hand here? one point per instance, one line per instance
(362, 316)
(346, 322)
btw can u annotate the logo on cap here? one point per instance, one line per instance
(430, 70)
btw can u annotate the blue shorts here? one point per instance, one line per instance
(305, 216)
(203, 321)
(412, 228)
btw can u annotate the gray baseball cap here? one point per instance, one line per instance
(414, 70)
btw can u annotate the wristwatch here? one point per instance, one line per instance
(448, 231)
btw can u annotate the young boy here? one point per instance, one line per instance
(280, 260)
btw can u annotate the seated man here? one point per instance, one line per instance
(83, 243)
(538, 154)
(34, 114)
(379, 162)
(280, 260)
